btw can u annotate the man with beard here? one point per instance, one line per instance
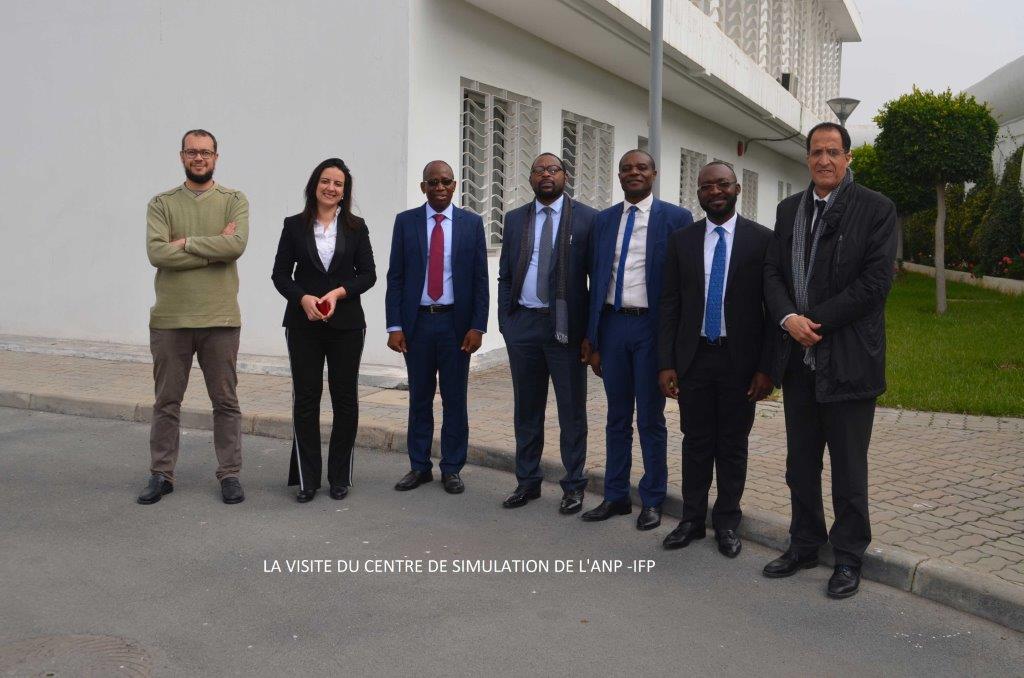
(436, 308)
(542, 313)
(195, 232)
(827, 274)
(622, 336)
(715, 351)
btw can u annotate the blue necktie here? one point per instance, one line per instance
(716, 290)
(621, 274)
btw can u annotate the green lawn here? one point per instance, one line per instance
(969, 360)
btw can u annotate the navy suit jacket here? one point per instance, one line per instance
(665, 219)
(408, 271)
(579, 266)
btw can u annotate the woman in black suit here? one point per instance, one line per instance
(324, 263)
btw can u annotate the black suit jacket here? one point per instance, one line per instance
(512, 233)
(750, 337)
(298, 271)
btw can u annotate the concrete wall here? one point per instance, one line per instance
(97, 97)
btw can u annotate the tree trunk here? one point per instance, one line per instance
(899, 241)
(940, 248)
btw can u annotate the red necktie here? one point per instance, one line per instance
(435, 270)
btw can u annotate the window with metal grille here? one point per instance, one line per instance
(789, 189)
(748, 207)
(690, 163)
(500, 139)
(587, 147)
(782, 188)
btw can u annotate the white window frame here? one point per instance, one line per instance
(587, 149)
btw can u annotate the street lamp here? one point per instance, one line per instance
(842, 107)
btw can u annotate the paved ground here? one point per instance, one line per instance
(180, 586)
(944, 486)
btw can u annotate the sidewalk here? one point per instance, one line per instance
(947, 491)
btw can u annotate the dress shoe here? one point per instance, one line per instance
(607, 509)
(339, 491)
(844, 582)
(729, 544)
(413, 479)
(302, 496)
(158, 486)
(687, 531)
(520, 496)
(231, 491)
(788, 563)
(452, 483)
(572, 502)
(649, 518)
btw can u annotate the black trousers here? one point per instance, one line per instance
(845, 427)
(716, 419)
(308, 347)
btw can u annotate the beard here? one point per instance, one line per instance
(198, 178)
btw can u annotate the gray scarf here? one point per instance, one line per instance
(801, 226)
(560, 266)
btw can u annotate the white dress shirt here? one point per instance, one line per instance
(634, 283)
(326, 237)
(528, 297)
(710, 242)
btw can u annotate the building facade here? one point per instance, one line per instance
(482, 84)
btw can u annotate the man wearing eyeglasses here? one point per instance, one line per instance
(436, 306)
(715, 352)
(542, 313)
(627, 263)
(195, 233)
(826, 277)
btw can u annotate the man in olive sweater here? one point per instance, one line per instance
(194, 234)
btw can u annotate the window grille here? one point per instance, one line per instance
(587, 147)
(500, 139)
(748, 207)
(690, 163)
(782, 188)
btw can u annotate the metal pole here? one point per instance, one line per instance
(657, 59)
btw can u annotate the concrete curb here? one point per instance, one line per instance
(973, 592)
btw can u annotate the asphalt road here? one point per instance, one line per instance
(186, 579)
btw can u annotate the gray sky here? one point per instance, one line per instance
(933, 44)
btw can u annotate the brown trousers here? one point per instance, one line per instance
(217, 348)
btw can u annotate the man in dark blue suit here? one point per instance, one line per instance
(542, 312)
(629, 241)
(436, 306)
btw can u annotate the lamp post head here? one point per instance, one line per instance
(842, 107)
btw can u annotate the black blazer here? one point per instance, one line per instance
(298, 271)
(750, 336)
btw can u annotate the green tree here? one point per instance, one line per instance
(1000, 234)
(909, 196)
(937, 139)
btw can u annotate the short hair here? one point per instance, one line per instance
(561, 163)
(844, 135)
(198, 133)
(650, 157)
(433, 162)
(723, 163)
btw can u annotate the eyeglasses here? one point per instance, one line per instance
(550, 169)
(192, 153)
(446, 182)
(722, 186)
(832, 153)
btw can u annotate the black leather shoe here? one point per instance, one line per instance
(158, 486)
(607, 509)
(649, 518)
(572, 502)
(687, 531)
(231, 491)
(413, 479)
(339, 491)
(520, 496)
(302, 496)
(452, 483)
(729, 544)
(788, 563)
(844, 582)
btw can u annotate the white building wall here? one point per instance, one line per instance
(97, 97)
(452, 40)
